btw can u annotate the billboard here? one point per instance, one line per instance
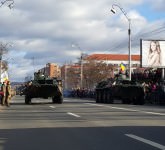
(152, 53)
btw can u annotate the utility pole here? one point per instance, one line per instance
(81, 64)
(66, 74)
(81, 71)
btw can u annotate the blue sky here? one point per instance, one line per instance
(149, 13)
(43, 31)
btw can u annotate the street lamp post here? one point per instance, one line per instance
(81, 65)
(81, 71)
(65, 76)
(129, 34)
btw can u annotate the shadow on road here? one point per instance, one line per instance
(86, 138)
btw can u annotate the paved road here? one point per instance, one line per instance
(80, 125)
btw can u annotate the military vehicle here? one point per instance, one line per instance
(126, 91)
(44, 88)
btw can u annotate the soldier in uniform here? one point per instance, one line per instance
(4, 92)
(1, 93)
(8, 93)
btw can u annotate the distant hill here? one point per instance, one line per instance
(17, 83)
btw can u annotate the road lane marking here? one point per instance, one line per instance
(128, 109)
(52, 107)
(72, 114)
(154, 113)
(94, 104)
(3, 140)
(147, 112)
(67, 100)
(154, 144)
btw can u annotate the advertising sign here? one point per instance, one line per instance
(152, 53)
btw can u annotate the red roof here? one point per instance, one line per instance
(114, 57)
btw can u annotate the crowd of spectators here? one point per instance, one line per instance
(154, 85)
(155, 92)
(80, 93)
(148, 75)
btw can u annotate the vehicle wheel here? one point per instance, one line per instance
(60, 99)
(110, 98)
(54, 100)
(97, 97)
(27, 100)
(124, 101)
(141, 100)
(57, 99)
(104, 96)
(101, 96)
(135, 101)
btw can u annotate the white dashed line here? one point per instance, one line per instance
(146, 112)
(52, 106)
(3, 140)
(154, 144)
(72, 114)
(154, 113)
(94, 104)
(127, 109)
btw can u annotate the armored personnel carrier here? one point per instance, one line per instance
(44, 88)
(126, 91)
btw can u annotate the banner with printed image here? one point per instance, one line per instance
(152, 53)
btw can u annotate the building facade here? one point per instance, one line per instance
(51, 70)
(116, 60)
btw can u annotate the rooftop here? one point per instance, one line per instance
(114, 57)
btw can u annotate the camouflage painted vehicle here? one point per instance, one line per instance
(127, 91)
(44, 88)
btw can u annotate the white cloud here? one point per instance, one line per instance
(158, 5)
(45, 30)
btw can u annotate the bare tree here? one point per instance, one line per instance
(73, 77)
(95, 72)
(9, 3)
(4, 47)
(4, 65)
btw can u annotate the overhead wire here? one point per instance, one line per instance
(138, 36)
